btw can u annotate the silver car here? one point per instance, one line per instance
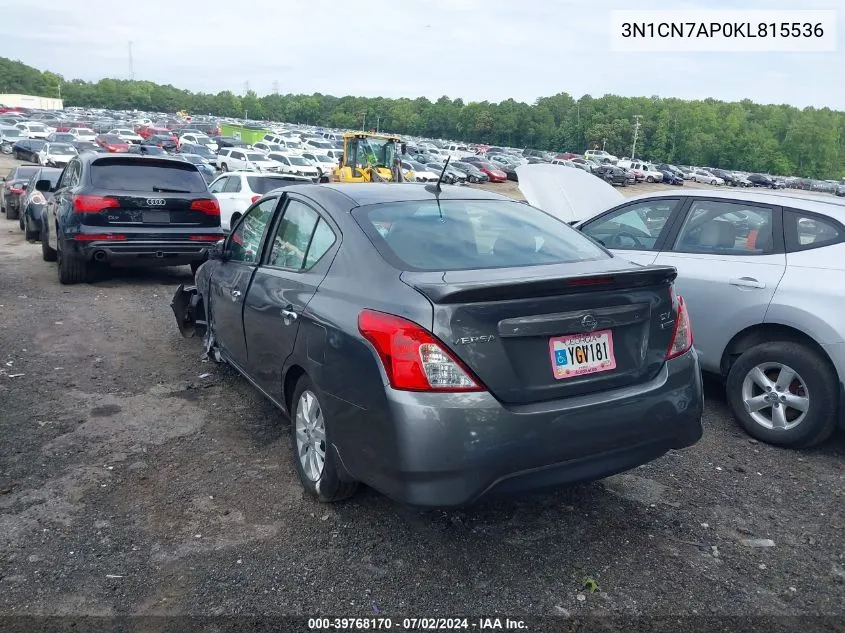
(763, 275)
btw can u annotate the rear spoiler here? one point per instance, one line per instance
(443, 292)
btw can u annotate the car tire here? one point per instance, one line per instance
(11, 214)
(48, 254)
(72, 269)
(814, 385)
(224, 167)
(308, 425)
(195, 267)
(650, 179)
(21, 216)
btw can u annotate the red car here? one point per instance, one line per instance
(147, 132)
(112, 143)
(493, 173)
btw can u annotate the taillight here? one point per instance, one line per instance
(209, 206)
(99, 237)
(204, 238)
(413, 358)
(16, 190)
(682, 334)
(93, 204)
(256, 198)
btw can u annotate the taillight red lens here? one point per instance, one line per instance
(209, 206)
(16, 190)
(413, 358)
(93, 204)
(682, 335)
(256, 198)
(204, 238)
(99, 237)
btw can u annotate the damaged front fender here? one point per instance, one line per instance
(189, 310)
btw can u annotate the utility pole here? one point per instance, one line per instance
(637, 118)
(131, 64)
(603, 143)
(276, 87)
(378, 118)
(364, 123)
(246, 86)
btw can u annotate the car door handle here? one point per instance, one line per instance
(289, 316)
(236, 294)
(747, 282)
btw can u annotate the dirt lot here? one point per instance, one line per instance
(136, 479)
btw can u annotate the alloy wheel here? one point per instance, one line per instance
(775, 396)
(310, 430)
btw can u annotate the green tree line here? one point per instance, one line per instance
(779, 139)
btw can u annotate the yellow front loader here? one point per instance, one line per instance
(369, 158)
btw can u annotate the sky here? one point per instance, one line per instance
(473, 49)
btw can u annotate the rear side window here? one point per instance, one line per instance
(808, 230)
(468, 234)
(140, 175)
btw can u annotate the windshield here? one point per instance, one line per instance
(14, 132)
(34, 127)
(320, 144)
(298, 160)
(371, 152)
(471, 234)
(201, 138)
(255, 156)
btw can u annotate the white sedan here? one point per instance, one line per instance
(127, 135)
(296, 165)
(56, 154)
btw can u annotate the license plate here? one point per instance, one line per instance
(156, 217)
(579, 354)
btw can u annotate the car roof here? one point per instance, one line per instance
(794, 199)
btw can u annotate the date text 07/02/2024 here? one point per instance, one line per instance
(420, 624)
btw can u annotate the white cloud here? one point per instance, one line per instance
(473, 49)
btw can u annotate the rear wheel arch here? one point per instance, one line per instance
(289, 382)
(768, 333)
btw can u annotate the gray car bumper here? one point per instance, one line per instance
(450, 449)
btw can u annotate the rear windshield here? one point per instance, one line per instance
(263, 184)
(468, 234)
(139, 175)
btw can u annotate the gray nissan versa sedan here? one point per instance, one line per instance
(440, 345)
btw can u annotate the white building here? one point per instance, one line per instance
(29, 101)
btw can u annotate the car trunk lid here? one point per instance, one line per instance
(555, 331)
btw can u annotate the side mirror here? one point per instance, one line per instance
(218, 251)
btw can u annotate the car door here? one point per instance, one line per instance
(230, 280)
(296, 261)
(61, 199)
(635, 231)
(728, 268)
(224, 199)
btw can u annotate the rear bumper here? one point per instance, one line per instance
(139, 252)
(450, 449)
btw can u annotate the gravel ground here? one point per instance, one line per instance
(130, 484)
